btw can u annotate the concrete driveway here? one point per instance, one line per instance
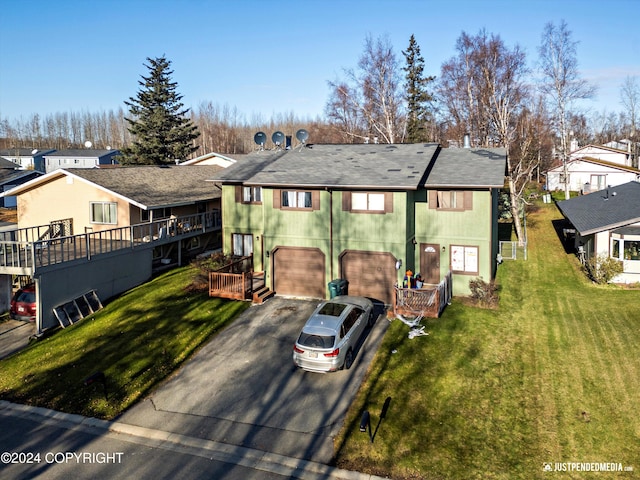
(243, 389)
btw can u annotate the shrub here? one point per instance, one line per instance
(485, 294)
(200, 281)
(602, 268)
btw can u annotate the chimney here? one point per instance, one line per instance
(467, 141)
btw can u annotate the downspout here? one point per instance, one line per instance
(330, 232)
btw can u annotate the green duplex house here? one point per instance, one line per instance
(364, 213)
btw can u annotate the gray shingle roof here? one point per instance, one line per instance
(603, 210)
(83, 152)
(466, 167)
(373, 166)
(155, 186)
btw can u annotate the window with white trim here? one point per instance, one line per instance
(364, 201)
(251, 194)
(464, 259)
(296, 199)
(104, 212)
(242, 244)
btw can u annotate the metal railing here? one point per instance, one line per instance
(23, 249)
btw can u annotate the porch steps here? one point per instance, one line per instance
(263, 294)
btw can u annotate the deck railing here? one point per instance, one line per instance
(31, 248)
(428, 301)
(233, 280)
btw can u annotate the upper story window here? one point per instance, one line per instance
(251, 194)
(248, 194)
(457, 200)
(296, 199)
(104, 212)
(373, 202)
(367, 202)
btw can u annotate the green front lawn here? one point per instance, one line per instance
(551, 376)
(136, 341)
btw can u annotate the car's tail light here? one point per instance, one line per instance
(335, 353)
(297, 350)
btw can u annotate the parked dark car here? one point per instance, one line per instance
(23, 304)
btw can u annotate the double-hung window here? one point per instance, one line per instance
(104, 212)
(296, 199)
(251, 194)
(242, 244)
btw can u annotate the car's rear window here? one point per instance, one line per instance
(316, 341)
(332, 309)
(25, 296)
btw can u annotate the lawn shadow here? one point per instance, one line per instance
(566, 234)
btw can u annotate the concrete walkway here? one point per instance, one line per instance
(256, 460)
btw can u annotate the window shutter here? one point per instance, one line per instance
(468, 200)
(346, 201)
(388, 202)
(238, 193)
(433, 198)
(277, 198)
(315, 199)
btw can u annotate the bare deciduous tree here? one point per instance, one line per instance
(561, 83)
(370, 102)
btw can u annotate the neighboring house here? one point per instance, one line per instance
(26, 158)
(107, 229)
(587, 174)
(102, 199)
(364, 213)
(608, 223)
(211, 159)
(79, 158)
(9, 179)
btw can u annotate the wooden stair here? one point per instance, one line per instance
(263, 294)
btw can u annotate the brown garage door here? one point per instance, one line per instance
(370, 274)
(299, 272)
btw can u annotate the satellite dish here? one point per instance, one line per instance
(88, 144)
(277, 138)
(34, 151)
(260, 138)
(108, 147)
(302, 135)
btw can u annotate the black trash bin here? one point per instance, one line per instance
(337, 287)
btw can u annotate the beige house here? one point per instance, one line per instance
(107, 230)
(90, 200)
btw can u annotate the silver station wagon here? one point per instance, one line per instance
(330, 337)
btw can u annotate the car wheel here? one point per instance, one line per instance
(348, 359)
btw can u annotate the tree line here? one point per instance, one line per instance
(484, 93)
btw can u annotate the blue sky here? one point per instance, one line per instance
(274, 57)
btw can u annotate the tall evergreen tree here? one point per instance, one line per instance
(161, 131)
(417, 95)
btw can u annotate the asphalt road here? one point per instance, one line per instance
(50, 449)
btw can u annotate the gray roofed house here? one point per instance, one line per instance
(607, 222)
(27, 158)
(359, 212)
(80, 158)
(603, 210)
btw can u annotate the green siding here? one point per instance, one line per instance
(469, 228)
(393, 232)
